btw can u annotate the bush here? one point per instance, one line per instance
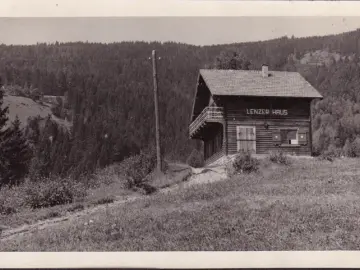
(331, 153)
(196, 159)
(106, 176)
(35, 94)
(356, 147)
(75, 207)
(327, 156)
(50, 192)
(105, 200)
(57, 111)
(11, 199)
(245, 163)
(229, 169)
(136, 168)
(348, 149)
(49, 215)
(279, 157)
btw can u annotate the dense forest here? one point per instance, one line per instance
(109, 99)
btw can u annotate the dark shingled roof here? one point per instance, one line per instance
(252, 83)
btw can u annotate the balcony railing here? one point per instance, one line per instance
(209, 114)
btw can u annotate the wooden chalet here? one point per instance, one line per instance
(248, 110)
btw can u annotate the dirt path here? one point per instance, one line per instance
(199, 176)
(11, 233)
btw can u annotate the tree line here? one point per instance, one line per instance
(109, 98)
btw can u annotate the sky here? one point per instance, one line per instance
(190, 30)
(198, 22)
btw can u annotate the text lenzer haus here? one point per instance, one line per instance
(258, 111)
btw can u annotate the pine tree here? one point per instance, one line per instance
(3, 112)
(42, 163)
(3, 131)
(17, 153)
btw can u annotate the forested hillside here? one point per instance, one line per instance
(109, 98)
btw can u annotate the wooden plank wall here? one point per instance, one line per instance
(298, 117)
(296, 108)
(264, 141)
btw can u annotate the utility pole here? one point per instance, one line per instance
(157, 124)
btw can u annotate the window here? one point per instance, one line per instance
(289, 136)
(246, 138)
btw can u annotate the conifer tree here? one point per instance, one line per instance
(3, 122)
(17, 154)
(3, 112)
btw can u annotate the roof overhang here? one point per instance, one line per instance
(195, 96)
(246, 83)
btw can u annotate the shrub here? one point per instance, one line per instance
(331, 153)
(348, 150)
(279, 157)
(106, 176)
(244, 162)
(195, 159)
(327, 156)
(229, 169)
(53, 191)
(164, 166)
(136, 168)
(57, 111)
(6, 208)
(11, 199)
(35, 94)
(75, 207)
(105, 200)
(229, 166)
(49, 215)
(356, 147)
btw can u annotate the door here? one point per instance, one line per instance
(246, 139)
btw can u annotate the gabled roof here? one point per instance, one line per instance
(252, 83)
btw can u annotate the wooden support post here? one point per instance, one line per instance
(157, 121)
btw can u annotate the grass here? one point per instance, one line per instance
(309, 205)
(24, 108)
(106, 186)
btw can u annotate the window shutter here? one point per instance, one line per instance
(240, 133)
(276, 137)
(302, 137)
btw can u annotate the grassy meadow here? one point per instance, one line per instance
(308, 205)
(103, 187)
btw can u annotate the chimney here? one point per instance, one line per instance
(265, 71)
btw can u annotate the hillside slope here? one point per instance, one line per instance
(310, 205)
(25, 108)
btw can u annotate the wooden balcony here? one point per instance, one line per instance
(208, 115)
